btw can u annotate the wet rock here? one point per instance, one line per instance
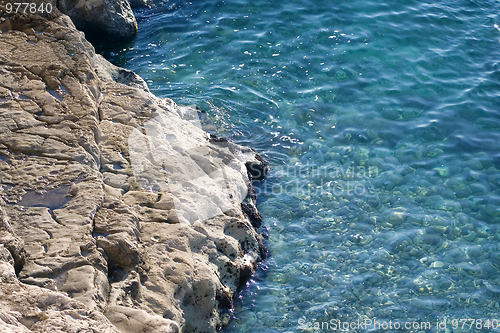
(395, 216)
(257, 169)
(437, 264)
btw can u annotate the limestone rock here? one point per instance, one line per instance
(133, 320)
(10, 240)
(112, 73)
(113, 202)
(112, 17)
(26, 308)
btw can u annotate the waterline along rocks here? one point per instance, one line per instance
(118, 213)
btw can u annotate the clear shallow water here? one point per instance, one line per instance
(382, 124)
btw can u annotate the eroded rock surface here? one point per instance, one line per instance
(117, 211)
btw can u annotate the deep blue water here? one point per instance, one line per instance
(381, 120)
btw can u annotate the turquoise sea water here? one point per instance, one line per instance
(381, 120)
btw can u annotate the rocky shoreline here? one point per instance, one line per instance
(118, 213)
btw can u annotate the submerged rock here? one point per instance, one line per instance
(117, 213)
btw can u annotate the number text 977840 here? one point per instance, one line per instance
(28, 7)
